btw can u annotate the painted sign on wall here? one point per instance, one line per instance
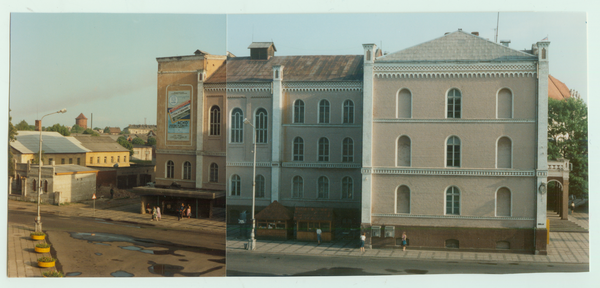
(178, 115)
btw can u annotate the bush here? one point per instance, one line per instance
(46, 259)
(53, 273)
(42, 245)
(37, 234)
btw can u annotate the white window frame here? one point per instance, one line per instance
(348, 158)
(168, 168)
(258, 187)
(186, 171)
(460, 110)
(233, 186)
(298, 105)
(262, 125)
(348, 191)
(237, 132)
(322, 114)
(215, 121)
(459, 201)
(324, 156)
(351, 114)
(213, 167)
(300, 156)
(459, 152)
(300, 191)
(325, 191)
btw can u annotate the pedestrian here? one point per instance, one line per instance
(319, 236)
(363, 237)
(158, 216)
(154, 214)
(572, 207)
(403, 241)
(180, 212)
(189, 211)
(148, 210)
(112, 193)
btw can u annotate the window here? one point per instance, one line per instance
(70, 160)
(454, 103)
(323, 188)
(403, 151)
(298, 150)
(389, 232)
(452, 201)
(299, 111)
(261, 125)
(404, 104)
(118, 159)
(105, 159)
(52, 159)
(323, 149)
(237, 125)
(215, 121)
(34, 185)
(260, 186)
(236, 184)
(62, 161)
(347, 188)
(187, 170)
(453, 152)
(125, 159)
(78, 161)
(376, 231)
(505, 100)
(112, 159)
(214, 173)
(348, 150)
(503, 202)
(324, 111)
(348, 112)
(91, 160)
(403, 199)
(170, 169)
(297, 187)
(452, 243)
(504, 153)
(46, 186)
(98, 160)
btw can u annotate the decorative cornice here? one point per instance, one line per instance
(323, 125)
(452, 70)
(454, 120)
(321, 165)
(211, 153)
(452, 217)
(214, 87)
(248, 164)
(447, 172)
(249, 87)
(324, 86)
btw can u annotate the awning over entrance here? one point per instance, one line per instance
(200, 194)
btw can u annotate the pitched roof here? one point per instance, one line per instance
(80, 117)
(457, 46)
(100, 144)
(114, 130)
(313, 214)
(557, 90)
(52, 143)
(296, 68)
(275, 211)
(262, 45)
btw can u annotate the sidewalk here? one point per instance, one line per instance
(22, 259)
(564, 247)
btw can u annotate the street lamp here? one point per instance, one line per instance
(38, 220)
(252, 241)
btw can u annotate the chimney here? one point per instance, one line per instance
(446, 33)
(475, 33)
(38, 126)
(505, 42)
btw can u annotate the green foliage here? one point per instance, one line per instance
(42, 245)
(12, 136)
(137, 141)
(53, 273)
(125, 131)
(121, 140)
(97, 128)
(36, 158)
(90, 131)
(23, 126)
(151, 141)
(46, 259)
(60, 129)
(37, 234)
(77, 129)
(106, 129)
(568, 133)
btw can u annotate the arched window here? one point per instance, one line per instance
(504, 153)
(347, 188)
(261, 125)
(453, 152)
(215, 121)
(170, 169)
(34, 186)
(454, 103)
(298, 150)
(404, 104)
(237, 125)
(452, 201)
(323, 149)
(503, 202)
(505, 100)
(214, 173)
(323, 188)
(403, 151)
(299, 111)
(348, 113)
(187, 170)
(324, 111)
(236, 185)
(403, 199)
(260, 186)
(348, 150)
(368, 55)
(298, 187)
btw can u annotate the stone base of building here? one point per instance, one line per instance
(458, 238)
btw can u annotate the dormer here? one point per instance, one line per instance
(262, 50)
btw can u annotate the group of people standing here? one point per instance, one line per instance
(363, 237)
(182, 212)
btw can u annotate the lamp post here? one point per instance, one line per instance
(252, 241)
(38, 219)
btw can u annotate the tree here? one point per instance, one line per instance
(97, 128)
(137, 141)
(12, 137)
(23, 126)
(121, 140)
(90, 131)
(568, 133)
(60, 129)
(125, 130)
(151, 141)
(77, 129)
(106, 129)
(36, 158)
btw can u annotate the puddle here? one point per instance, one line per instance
(118, 260)
(336, 271)
(220, 261)
(416, 271)
(154, 252)
(121, 273)
(487, 263)
(170, 270)
(101, 244)
(184, 260)
(72, 274)
(99, 254)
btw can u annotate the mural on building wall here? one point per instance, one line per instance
(178, 120)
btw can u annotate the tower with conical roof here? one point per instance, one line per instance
(81, 121)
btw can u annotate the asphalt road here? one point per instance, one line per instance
(91, 247)
(255, 264)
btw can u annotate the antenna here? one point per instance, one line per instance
(497, 25)
(252, 32)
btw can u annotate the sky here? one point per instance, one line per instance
(106, 64)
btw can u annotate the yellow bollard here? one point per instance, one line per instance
(547, 231)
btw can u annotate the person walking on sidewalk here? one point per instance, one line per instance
(363, 237)
(319, 236)
(158, 216)
(189, 211)
(154, 214)
(403, 241)
(180, 212)
(112, 193)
